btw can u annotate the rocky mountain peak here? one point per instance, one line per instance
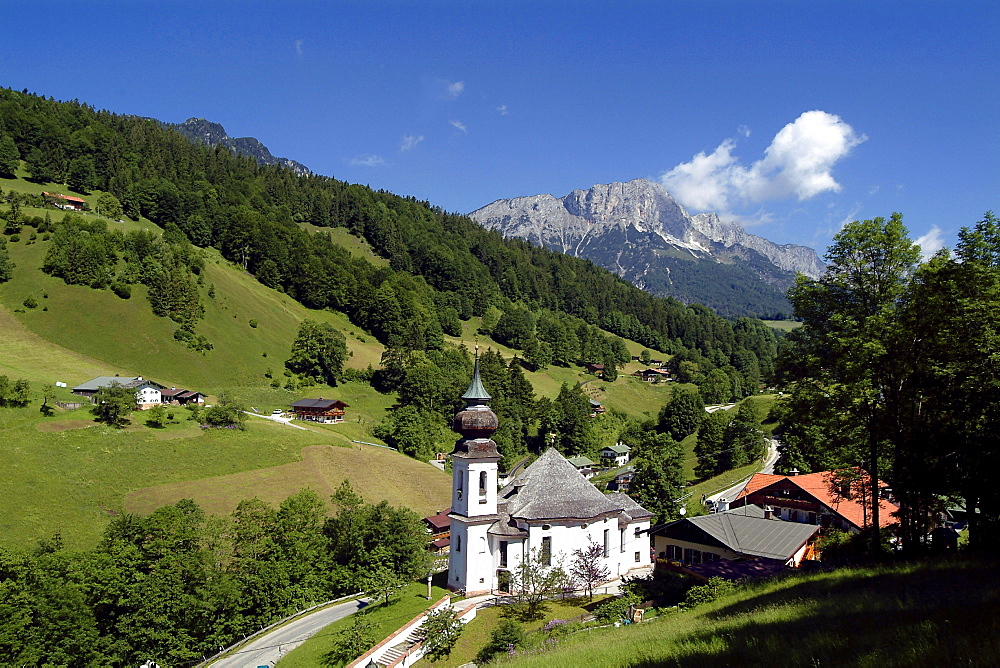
(213, 134)
(639, 231)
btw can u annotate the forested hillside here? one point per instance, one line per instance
(442, 268)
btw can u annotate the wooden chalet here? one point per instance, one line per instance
(180, 397)
(439, 527)
(328, 411)
(64, 201)
(814, 498)
(596, 369)
(652, 375)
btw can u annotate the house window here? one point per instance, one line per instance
(793, 516)
(812, 518)
(637, 557)
(546, 554)
(709, 556)
(675, 553)
(606, 542)
(503, 554)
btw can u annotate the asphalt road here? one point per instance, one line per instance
(268, 648)
(772, 458)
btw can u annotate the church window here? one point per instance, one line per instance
(606, 532)
(482, 487)
(546, 527)
(637, 557)
(503, 554)
(458, 543)
(461, 478)
(546, 553)
(621, 545)
(482, 545)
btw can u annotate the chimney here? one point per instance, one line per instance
(793, 472)
(768, 513)
(722, 506)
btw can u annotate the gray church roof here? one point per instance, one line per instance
(107, 381)
(552, 488)
(747, 534)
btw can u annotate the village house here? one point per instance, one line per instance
(615, 455)
(180, 397)
(64, 201)
(147, 392)
(584, 465)
(750, 532)
(439, 527)
(327, 411)
(652, 375)
(548, 509)
(814, 498)
(596, 408)
(622, 481)
(596, 369)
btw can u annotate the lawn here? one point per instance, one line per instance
(66, 474)
(936, 613)
(477, 632)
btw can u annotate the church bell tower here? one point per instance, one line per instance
(473, 492)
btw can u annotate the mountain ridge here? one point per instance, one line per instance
(637, 230)
(214, 134)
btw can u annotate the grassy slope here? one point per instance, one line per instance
(936, 613)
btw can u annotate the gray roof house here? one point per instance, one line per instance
(736, 534)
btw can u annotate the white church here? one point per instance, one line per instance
(549, 507)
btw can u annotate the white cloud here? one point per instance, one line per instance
(298, 46)
(503, 110)
(460, 125)
(797, 163)
(409, 141)
(367, 161)
(743, 130)
(931, 242)
(454, 88)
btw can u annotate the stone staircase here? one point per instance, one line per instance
(400, 650)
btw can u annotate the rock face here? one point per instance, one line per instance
(637, 230)
(205, 132)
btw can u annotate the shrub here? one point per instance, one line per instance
(507, 637)
(30, 302)
(715, 588)
(15, 238)
(616, 609)
(253, 323)
(123, 290)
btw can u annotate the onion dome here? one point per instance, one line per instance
(476, 422)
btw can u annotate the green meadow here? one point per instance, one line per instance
(935, 613)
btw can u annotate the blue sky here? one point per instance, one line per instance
(790, 117)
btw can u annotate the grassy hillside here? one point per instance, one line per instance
(923, 614)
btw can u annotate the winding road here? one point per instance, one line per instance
(266, 649)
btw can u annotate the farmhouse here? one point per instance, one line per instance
(596, 369)
(584, 465)
(815, 498)
(64, 201)
(327, 411)
(652, 375)
(596, 408)
(548, 510)
(147, 392)
(439, 527)
(615, 455)
(180, 397)
(749, 532)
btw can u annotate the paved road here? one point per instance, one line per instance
(268, 648)
(732, 492)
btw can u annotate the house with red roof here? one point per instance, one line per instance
(815, 498)
(65, 201)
